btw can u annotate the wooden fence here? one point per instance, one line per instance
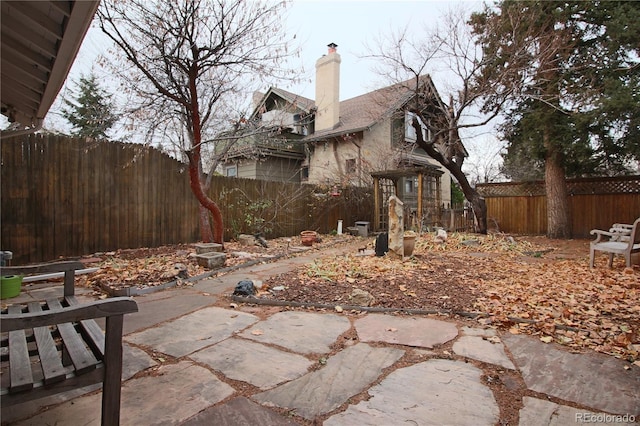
(63, 197)
(520, 207)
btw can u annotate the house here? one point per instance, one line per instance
(274, 150)
(336, 143)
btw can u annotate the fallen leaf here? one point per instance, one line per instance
(257, 332)
(546, 339)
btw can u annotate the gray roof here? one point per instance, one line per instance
(361, 112)
(364, 111)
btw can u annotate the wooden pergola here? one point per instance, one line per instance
(427, 202)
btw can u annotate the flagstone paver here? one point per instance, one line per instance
(193, 331)
(409, 331)
(347, 373)
(252, 362)
(594, 380)
(479, 348)
(173, 394)
(538, 412)
(434, 392)
(239, 412)
(302, 332)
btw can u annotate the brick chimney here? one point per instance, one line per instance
(328, 90)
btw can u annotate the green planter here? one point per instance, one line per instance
(10, 286)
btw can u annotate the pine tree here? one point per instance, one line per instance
(571, 71)
(91, 111)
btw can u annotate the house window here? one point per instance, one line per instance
(231, 171)
(410, 131)
(350, 166)
(410, 185)
(304, 173)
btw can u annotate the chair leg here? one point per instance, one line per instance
(592, 255)
(610, 260)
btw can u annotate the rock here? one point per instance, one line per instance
(260, 240)
(179, 270)
(242, 255)
(396, 227)
(246, 240)
(360, 297)
(278, 288)
(244, 288)
(441, 236)
(202, 248)
(212, 260)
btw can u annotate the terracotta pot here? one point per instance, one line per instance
(409, 242)
(308, 237)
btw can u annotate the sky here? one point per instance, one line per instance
(350, 24)
(315, 23)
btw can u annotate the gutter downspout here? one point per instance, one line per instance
(5, 134)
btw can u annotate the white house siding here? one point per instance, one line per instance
(376, 156)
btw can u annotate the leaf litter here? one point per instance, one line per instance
(526, 285)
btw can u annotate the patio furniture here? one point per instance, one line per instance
(620, 240)
(623, 229)
(55, 345)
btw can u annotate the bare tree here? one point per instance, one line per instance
(188, 62)
(437, 123)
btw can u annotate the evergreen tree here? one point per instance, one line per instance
(571, 71)
(90, 112)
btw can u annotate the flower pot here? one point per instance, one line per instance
(308, 237)
(10, 286)
(409, 242)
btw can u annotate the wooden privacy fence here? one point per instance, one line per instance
(594, 203)
(64, 197)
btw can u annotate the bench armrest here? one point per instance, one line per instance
(42, 268)
(98, 309)
(68, 267)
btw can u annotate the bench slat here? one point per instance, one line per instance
(52, 367)
(83, 359)
(19, 362)
(94, 334)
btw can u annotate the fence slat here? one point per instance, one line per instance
(520, 208)
(64, 197)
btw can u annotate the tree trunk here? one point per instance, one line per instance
(206, 234)
(470, 193)
(205, 202)
(195, 167)
(476, 200)
(556, 191)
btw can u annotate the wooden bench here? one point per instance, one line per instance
(55, 345)
(621, 240)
